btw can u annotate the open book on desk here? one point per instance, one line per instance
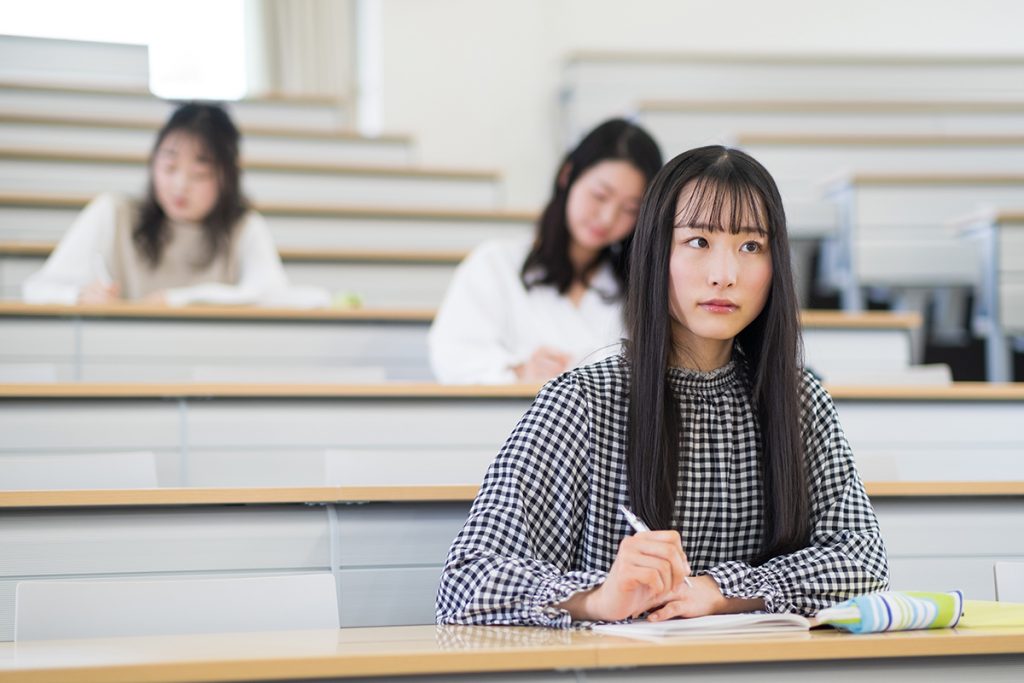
(715, 624)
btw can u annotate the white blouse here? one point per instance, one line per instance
(93, 249)
(489, 322)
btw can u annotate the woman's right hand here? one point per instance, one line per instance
(649, 567)
(542, 365)
(97, 292)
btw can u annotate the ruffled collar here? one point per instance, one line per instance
(711, 382)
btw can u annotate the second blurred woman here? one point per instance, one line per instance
(529, 310)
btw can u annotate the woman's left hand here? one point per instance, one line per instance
(701, 598)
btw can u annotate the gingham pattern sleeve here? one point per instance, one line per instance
(846, 555)
(510, 564)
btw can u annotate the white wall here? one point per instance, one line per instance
(476, 81)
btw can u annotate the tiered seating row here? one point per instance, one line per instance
(213, 343)
(47, 132)
(44, 171)
(380, 279)
(999, 310)
(342, 443)
(301, 225)
(595, 83)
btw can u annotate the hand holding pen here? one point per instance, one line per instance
(102, 289)
(649, 572)
(639, 527)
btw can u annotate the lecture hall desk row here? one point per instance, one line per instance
(74, 99)
(332, 224)
(385, 545)
(999, 307)
(48, 130)
(685, 123)
(379, 278)
(596, 82)
(495, 653)
(289, 433)
(63, 171)
(942, 465)
(217, 343)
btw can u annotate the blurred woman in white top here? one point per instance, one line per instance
(527, 310)
(192, 239)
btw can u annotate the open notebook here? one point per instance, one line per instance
(715, 624)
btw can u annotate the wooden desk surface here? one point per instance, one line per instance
(214, 312)
(394, 390)
(297, 165)
(879, 139)
(71, 200)
(289, 254)
(832, 106)
(817, 319)
(449, 650)
(144, 93)
(934, 179)
(296, 495)
(57, 120)
(815, 60)
(958, 391)
(1010, 217)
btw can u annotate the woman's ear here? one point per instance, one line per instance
(563, 176)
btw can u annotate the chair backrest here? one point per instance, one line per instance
(37, 471)
(46, 610)
(1009, 578)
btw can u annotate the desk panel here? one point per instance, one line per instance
(133, 347)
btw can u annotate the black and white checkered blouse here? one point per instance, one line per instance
(545, 524)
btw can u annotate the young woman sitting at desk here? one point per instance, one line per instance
(706, 426)
(192, 239)
(526, 311)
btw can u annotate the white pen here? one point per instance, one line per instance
(639, 526)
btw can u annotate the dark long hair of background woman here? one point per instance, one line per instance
(614, 140)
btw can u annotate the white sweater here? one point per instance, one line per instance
(98, 247)
(489, 322)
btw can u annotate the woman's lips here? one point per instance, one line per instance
(718, 306)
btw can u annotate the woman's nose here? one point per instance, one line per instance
(722, 269)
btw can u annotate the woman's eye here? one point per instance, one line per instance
(697, 242)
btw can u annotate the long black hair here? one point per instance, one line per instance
(728, 185)
(213, 130)
(548, 261)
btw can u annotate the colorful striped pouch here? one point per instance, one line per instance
(895, 611)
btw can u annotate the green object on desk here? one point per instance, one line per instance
(988, 613)
(895, 611)
(347, 300)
